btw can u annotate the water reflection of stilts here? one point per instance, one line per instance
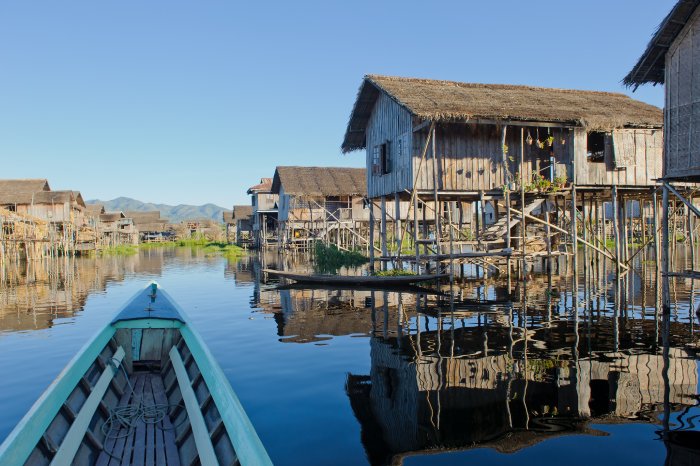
(496, 377)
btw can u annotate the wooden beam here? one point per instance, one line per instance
(580, 240)
(684, 200)
(74, 437)
(205, 449)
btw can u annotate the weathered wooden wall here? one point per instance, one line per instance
(390, 123)
(57, 212)
(470, 156)
(646, 147)
(682, 111)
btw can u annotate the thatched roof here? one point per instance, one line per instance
(59, 197)
(242, 212)
(262, 187)
(650, 67)
(21, 191)
(95, 209)
(24, 185)
(140, 218)
(153, 227)
(450, 101)
(112, 216)
(320, 181)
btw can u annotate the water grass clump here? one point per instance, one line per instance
(214, 248)
(120, 250)
(210, 248)
(329, 258)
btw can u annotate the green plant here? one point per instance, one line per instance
(328, 259)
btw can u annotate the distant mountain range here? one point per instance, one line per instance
(175, 213)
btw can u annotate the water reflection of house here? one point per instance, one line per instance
(425, 396)
(308, 315)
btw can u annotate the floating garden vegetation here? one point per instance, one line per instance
(210, 248)
(121, 250)
(329, 259)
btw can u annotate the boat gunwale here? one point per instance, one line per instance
(22, 440)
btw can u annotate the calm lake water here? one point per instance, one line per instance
(479, 375)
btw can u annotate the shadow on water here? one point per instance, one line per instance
(488, 364)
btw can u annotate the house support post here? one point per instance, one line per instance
(574, 233)
(398, 236)
(415, 233)
(665, 293)
(382, 232)
(616, 228)
(370, 244)
(691, 231)
(523, 228)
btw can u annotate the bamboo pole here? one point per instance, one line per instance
(616, 228)
(666, 295)
(523, 226)
(562, 230)
(413, 202)
(371, 236)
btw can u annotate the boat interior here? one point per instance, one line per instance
(142, 401)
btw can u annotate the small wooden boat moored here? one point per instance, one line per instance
(364, 280)
(145, 390)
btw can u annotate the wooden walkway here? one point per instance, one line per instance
(148, 443)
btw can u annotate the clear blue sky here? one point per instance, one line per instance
(193, 101)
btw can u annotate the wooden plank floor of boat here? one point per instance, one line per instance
(147, 443)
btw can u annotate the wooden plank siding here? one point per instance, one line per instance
(470, 155)
(682, 112)
(470, 159)
(647, 146)
(389, 123)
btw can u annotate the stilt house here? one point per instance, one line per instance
(321, 203)
(585, 137)
(264, 216)
(151, 227)
(229, 225)
(671, 58)
(115, 229)
(243, 228)
(456, 143)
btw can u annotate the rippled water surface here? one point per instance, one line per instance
(490, 371)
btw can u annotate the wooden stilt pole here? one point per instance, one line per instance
(371, 236)
(616, 228)
(398, 237)
(574, 231)
(657, 246)
(666, 293)
(523, 227)
(382, 232)
(415, 233)
(691, 239)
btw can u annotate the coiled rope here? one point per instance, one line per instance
(122, 420)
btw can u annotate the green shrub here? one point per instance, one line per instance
(329, 258)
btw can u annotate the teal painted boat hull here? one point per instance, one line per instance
(148, 360)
